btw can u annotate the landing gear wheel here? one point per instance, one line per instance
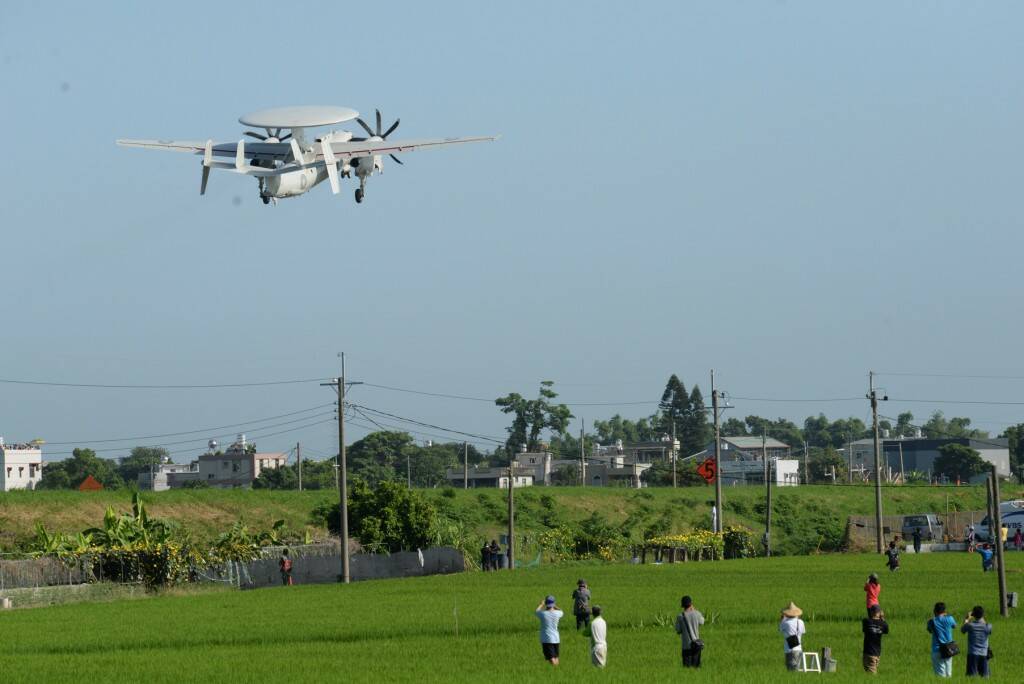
(359, 195)
(266, 200)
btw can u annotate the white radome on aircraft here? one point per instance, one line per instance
(290, 165)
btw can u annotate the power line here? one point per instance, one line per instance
(108, 386)
(198, 439)
(188, 432)
(429, 425)
(953, 375)
(804, 401)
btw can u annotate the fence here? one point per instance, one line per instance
(860, 529)
(311, 564)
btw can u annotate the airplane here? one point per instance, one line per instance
(291, 165)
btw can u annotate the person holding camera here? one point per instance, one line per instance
(978, 652)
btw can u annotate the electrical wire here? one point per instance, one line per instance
(10, 381)
(428, 425)
(188, 432)
(951, 375)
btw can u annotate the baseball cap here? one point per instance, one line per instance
(549, 601)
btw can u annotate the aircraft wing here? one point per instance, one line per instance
(348, 150)
(253, 150)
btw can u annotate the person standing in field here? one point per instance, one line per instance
(871, 590)
(688, 625)
(581, 604)
(792, 629)
(549, 614)
(1004, 532)
(941, 628)
(485, 557)
(970, 538)
(285, 566)
(598, 639)
(893, 556)
(1018, 540)
(495, 552)
(917, 540)
(873, 626)
(986, 558)
(977, 631)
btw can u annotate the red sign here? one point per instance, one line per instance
(707, 470)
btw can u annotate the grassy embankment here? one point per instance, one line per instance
(804, 518)
(480, 626)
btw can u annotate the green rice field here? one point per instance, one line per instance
(480, 627)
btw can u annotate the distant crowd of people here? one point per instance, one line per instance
(941, 626)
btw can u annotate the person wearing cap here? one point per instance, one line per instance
(598, 639)
(581, 604)
(871, 591)
(792, 629)
(873, 626)
(688, 628)
(549, 614)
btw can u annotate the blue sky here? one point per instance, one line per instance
(793, 193)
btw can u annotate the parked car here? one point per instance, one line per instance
(928, 523)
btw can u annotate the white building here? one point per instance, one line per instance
(237, 466)
(21, 466)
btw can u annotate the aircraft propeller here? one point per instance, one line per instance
(275, 138)
(378, 134)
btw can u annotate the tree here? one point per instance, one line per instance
(733, 427)
(1015, 435)
(616, 428)
(816, 431)
(389, 517)
(660, 474)
(939, 427)
(696, 433)
(376, 457)
(69, 473)
(821, 461)
(140, 460)
(959, 462)
(532, 416)
(904, 425)
(781, 429)
(674, 405)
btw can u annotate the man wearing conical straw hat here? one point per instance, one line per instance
(792, 629)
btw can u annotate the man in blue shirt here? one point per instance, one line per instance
(986, 557)
(549, 615)
(941, 627)
(977, 631)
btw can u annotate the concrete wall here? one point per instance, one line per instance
(321, 568)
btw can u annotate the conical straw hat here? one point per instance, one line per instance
(792, 610)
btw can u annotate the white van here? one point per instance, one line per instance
(1012, 513)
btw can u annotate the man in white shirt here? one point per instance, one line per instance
(792, 629)
(598, 638)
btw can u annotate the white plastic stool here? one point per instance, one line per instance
(810, 662)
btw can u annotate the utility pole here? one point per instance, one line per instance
(807, 472)
(465, 465)
(408, 470)
(674, 458)
(873, 396)
(339, 385)
(298, 456)
(996, 534)
(720, 517)
(903, 474)
(849, 455)
(768, 496)
(511, 514)
(583, 458)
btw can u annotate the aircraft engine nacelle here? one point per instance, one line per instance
(292, 184)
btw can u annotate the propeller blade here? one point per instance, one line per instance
(397, 160)
(285, 137)
(365, 127)
(378, 122)
(255, 135)
(391, 130)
